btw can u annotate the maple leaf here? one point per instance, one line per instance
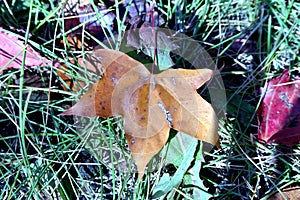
(279, 113)
(150, 104)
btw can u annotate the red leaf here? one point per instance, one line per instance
(11, 46)
(279, 113)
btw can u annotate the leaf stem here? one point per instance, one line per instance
(155, 36)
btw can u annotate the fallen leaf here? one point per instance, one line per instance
(199, 191)
(150, 104)
(279, 113)
(177, 149)
(167, 182)
(287, 193)
(12, 50)
(180, 152)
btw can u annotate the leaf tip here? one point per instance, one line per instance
(140, 175)
(67, 112)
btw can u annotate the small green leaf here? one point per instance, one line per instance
(180, 153)
(163, 57)
(193, 178)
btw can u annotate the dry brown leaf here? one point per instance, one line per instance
(150, 104)
(287, 193)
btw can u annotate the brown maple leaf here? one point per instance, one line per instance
(150, 104)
